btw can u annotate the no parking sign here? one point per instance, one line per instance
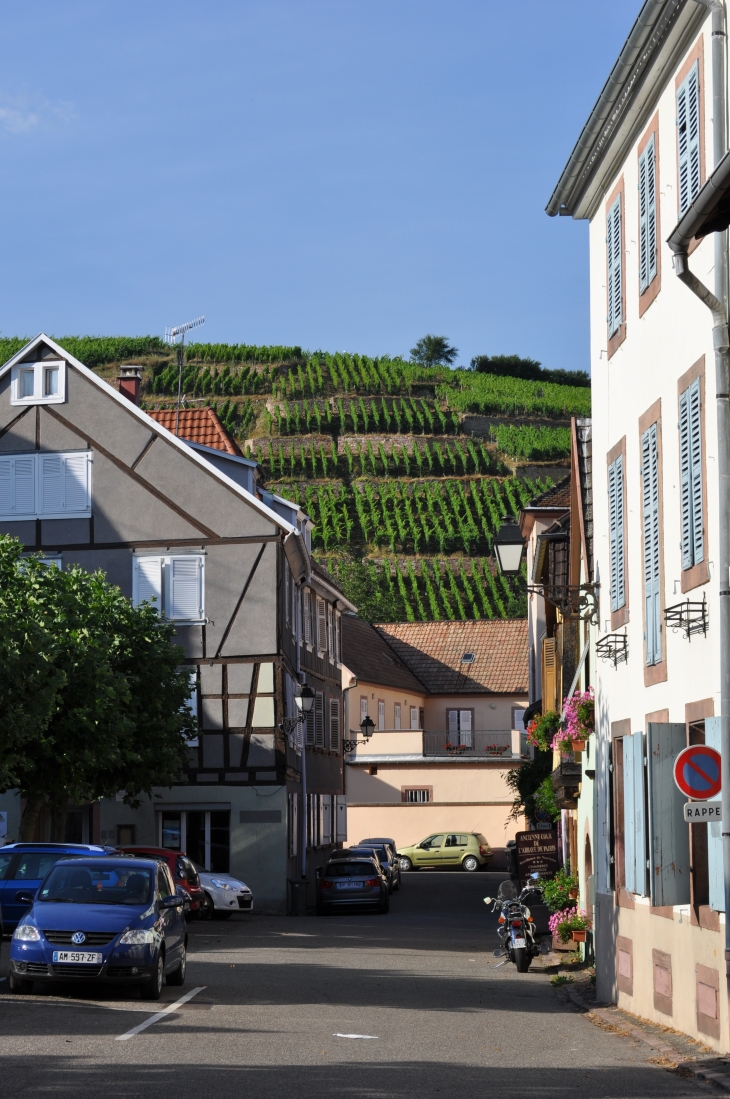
(697, 772)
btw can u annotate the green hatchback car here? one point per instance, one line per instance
(469, 850)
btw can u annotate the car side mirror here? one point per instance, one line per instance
(25, 897)
(173, 901)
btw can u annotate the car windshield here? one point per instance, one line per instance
(349, 870)
(118, 883)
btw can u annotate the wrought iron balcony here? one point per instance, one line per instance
(482, 744)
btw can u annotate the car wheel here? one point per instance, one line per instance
(405, 864)
(384, 905)
(205, 912)
(19, 986)
(152, 989)
(177, 977)
(470, 863)
(221, 914)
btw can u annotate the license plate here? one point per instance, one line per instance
(517, 943)
(78, 957)
(349, 885)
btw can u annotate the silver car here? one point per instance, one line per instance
(224, 894)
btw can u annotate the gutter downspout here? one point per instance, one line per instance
(718, 304)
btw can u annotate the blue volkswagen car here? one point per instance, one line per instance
(102, 919)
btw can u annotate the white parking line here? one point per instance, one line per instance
(160, 1014)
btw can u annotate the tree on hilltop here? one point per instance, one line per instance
(514, 366)
(434, 351)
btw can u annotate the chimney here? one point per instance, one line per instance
(130, 380)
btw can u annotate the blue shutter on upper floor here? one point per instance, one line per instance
(650, 507)
(714, 831)
(669, 869)
(616, 532)
(629, 824)
(688, 138)
(690, 465)
(647, 216)
(615, 273)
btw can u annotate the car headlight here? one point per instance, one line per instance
(136, 938)
(25, 932)
(221, 884)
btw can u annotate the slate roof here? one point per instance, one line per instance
(198, 425)
(433, 651)
(369, 656)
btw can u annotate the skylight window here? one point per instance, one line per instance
(468, 658)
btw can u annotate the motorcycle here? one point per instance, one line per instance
(516, 927)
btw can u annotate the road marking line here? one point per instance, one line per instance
(356, 1036)
(159, 1015)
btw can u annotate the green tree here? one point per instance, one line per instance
(434, 351)
(92, 696)
(514, 366)
(375, 599)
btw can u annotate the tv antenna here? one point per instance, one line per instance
(173, 335)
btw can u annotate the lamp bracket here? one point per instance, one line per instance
(573, 600)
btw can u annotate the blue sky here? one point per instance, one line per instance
(336, 174)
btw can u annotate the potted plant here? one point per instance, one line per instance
(556, 892)
(570, 924)
(496, 749)
(542, 729)
(455, 749)
(578, 723)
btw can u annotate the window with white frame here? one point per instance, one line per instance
(690, 465)
(45, 486)
(460, 723)
(616, 532)
(688, 138)
(174, 585)
(647, 216)
(38, 383)
(652, 548)
(414, 717)
(396, 715)
(381, 713)
(615, 268)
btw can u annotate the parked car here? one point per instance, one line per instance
(102, 919)
(387, 853)
(23, 866)
(355, 881)
(381, 856)
(224, 894)
(470, 850)
(182, 870)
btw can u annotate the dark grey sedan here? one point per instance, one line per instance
(388, 864)
(348, 883)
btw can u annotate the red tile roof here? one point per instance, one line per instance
(369, 656)
(434, 650)
(199, 425)
(556, 497)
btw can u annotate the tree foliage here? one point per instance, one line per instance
(513, 366)
(434, 351)
(92, 698)
(526, 781)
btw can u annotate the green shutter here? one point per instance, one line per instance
(647, 216)
(668, 833)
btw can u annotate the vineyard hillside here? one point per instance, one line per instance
(405, 470)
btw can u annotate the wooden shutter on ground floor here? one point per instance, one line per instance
(669, 869)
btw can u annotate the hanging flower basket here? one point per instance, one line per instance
(579, 746)
(542, 729)
(578, 936)
(578, 723)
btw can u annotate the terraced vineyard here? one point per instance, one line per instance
(406, 471)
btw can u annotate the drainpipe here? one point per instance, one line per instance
(718, 304)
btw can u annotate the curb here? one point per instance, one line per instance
(720, 1079)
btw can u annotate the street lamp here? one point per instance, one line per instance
(508, 545)
(304, 702)
(367, 728)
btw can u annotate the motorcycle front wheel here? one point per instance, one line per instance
(522, 959)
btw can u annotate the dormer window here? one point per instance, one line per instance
(38, 383)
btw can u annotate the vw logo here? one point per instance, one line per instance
(78, 937)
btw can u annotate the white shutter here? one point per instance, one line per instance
(688, 137)
(330, 632)
(690, 465)
(76, 483)
(321, 626)
(465, 728)
(147, 582)
(453, 716)
(396, 716)
(185, 589)
(381, 714)
(335, 724)
(338, 637)
(307, 617)
(326, 820)
(50, 484)
(17, 486)
(341, 823)
(414, 717)
(616, 532)
(64, 485)
(652, 588)
(615, 272)
(647, 216)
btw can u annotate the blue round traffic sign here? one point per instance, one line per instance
(697, 772)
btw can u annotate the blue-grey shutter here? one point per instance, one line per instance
(647, 215)
(650, 502)
(616, 532)
(615, 274)
(629, 824)
(714, 831)
(640, 852)
(690, 465)
(668, 832)
(688, 137)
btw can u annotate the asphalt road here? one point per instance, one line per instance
(421, 981)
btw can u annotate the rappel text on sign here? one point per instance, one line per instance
(697, 811)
